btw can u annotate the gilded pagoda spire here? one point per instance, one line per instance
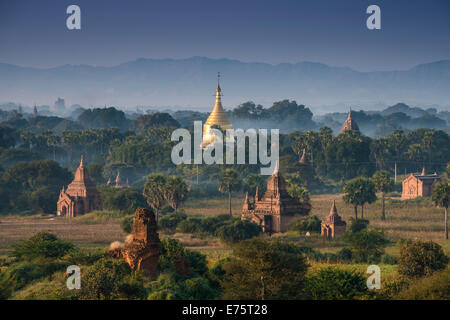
(217, 117)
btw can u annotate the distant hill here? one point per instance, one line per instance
(190, 84)
(401, 107)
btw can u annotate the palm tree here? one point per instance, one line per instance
(440, 197)
(230, 181)
(359, 191)
(154, 192)
(428, 142)
(52, 140)
(27, 138)
(383, 183)
(175, 191)
(254, 182)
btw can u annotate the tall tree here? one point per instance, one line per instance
(175, 191)
(295, 187)
(441, 198)
(261, 269)
(383, 183)
(359, 191)
(154, 192)
(254, 182)
(230, 181)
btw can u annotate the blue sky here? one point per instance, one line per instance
(34, 33)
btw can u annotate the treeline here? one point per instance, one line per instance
(330, 159)
(352, 154)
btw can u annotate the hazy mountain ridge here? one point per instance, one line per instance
(190, 83)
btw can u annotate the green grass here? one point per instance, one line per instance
(96, 217)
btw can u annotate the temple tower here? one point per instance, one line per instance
(217, 118)
(333, 226)
(81, 196)
(349, 123)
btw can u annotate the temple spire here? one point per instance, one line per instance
(217, 118)
(349, 123)
(303, 157)
(275, 171)
(423, 171)
(333, 210)
(82, 162)
(218, 90)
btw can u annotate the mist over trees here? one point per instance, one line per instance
(138, 143)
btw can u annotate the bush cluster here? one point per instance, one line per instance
(226, 228)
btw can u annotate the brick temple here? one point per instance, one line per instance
(349, 124)
(276, 209)
(80, 197)
(419, 185)
(333, 226)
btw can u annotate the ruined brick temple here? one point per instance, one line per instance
(80, 197)
(333, 226)
(141, 251)
(276, 209)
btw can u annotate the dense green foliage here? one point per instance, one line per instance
(125, 200)
(32, 186)
(226, 228)
(264, 270)
(419, 258)
(307, 224)
(359, 191)
(331, 283)
(43, 245)
(366, 245)
(101, 136)
(357, 225)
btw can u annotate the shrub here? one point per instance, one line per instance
(197, 262)
(165, 288)
(8, 283)
(25, 272)
(170, 251)
(434, 287)
(190, 225)
(311, 224)
(391, 288)
(345, 255)
(78, 257)
(388, 259)
(419, 258)
(332, 283)
(51, 288)
(357, 225)
(237, 231)
(101, 280)
(367, 245)
(131, 287)
(199, 289)
(42, 244)
(127, 224)
(125, 200)
(170, 221)
(211, 224)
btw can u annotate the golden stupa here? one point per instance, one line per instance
(217, 118)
